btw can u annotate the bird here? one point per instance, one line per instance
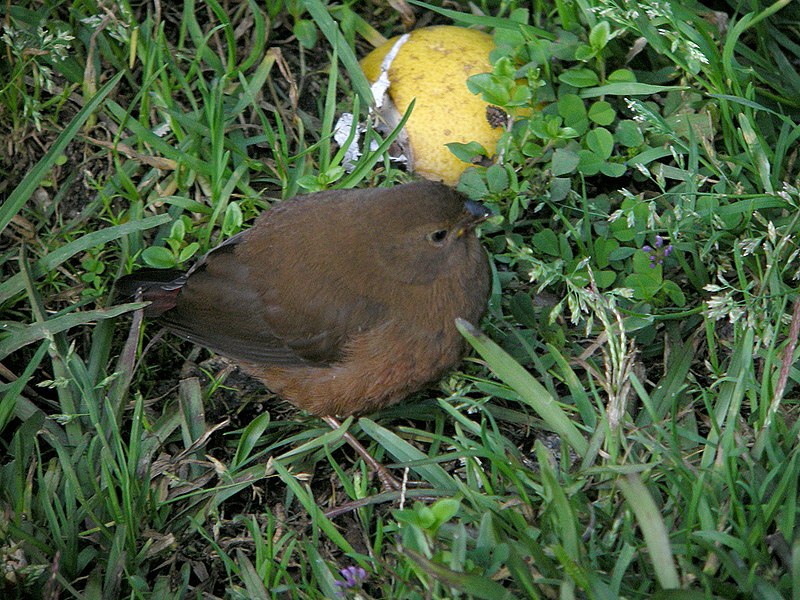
(341, 302)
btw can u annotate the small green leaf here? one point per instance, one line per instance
(533, 149)
(559, 188)
(521, 306)
(546, 241)
(699, 125)
(158, 257)
(644, 287)
(306, 33)
(232, 223)
(646, 280)
(310, 183)
(178, 230)
(579, 78)
(445, 509)
(600, 141)
(467, 152)
(621, 253)
(573, 111)
(599, 35)
(589, 163)
(564, 161)
(508, 38)
(478, 83)
(621, 76)
(628, 134)
(427, 519)
(621, 232)
(490, 88)
(584, 53)
(538, 50)
(504, 68)
(519, 15)
(675, 293)
(602, 251)
(611, 169)
(520, 95)
(605, 279)
(602, 113)
(188, 252)
(496, 178)
(472, 184)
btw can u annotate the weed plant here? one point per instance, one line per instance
(627, 424)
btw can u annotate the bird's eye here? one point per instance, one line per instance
(438, 236)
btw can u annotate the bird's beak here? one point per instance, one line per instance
(478, 213)
(477, 210)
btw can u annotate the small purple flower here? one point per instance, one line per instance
(352, 576)
(659, 253)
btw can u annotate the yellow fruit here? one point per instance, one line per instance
(433, 66)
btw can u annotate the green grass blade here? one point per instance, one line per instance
(249, 438)
(306, 498)
(404, 452)
(346, 55)
(632, 88)
(653, 528)
(530, 391)
(28, 185)
(486, 21)
(16, 283)
(39, 331)
(475, 585)
(11, 394)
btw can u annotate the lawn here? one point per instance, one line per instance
(626, 422)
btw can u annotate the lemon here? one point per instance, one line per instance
(432, 67)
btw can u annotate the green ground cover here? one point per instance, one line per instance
(626, 426)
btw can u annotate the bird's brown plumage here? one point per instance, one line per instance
(342, 301)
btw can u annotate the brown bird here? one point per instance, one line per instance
(341, 302)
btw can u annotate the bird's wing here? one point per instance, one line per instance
(288, 312)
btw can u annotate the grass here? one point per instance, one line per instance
(627, 424)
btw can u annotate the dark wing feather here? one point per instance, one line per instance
(254, 308)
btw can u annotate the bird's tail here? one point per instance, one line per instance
(160, 287)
